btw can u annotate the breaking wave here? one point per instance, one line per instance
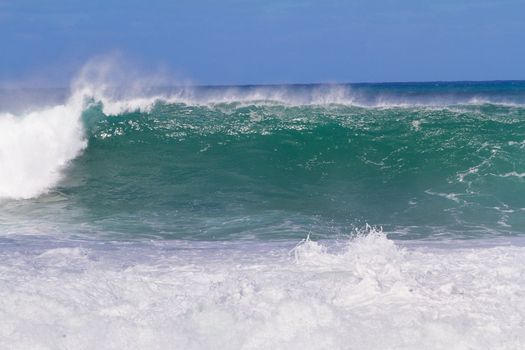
(404, 156)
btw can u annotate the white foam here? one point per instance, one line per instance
(368, 294)
(35, 147)
(512, 174)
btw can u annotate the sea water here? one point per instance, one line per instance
(361, 216)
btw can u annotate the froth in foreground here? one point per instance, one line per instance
(371, 294)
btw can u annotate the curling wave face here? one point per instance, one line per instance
(221, 163)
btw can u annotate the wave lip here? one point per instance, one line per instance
(35, 147)
(301, 95)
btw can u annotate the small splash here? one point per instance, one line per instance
(363, 245)
(416, 125)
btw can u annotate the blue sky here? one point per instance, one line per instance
(256, 41)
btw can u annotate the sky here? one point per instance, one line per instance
(44, 42)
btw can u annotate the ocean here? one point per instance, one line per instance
(352, 216)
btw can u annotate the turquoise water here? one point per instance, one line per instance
(418, 160)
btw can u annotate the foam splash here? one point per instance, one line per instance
(35, 147)
(370, 294)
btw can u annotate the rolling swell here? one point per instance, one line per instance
(421, 160)
(270, 170)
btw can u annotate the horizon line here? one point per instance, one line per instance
(407, 82)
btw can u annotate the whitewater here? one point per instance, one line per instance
(238, 217)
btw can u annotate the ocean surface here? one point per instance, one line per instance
(361, 216)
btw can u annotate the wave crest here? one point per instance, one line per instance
(35, 147)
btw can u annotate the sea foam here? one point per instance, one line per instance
(369, 293)
(35, 147)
